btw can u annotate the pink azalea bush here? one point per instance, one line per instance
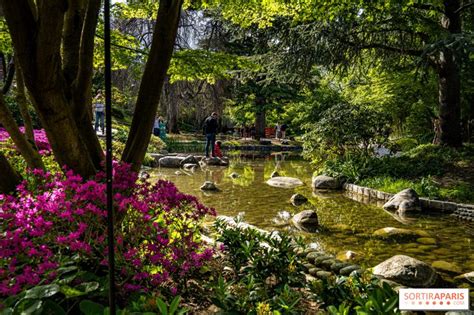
(40, 138)
(63, 215)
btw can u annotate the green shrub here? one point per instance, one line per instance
(267, 273)
(402, 144)
(356, 295)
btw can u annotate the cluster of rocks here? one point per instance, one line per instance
(399, 271)
(186, 161)
(321, 265)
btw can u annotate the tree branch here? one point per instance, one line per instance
(23, 30)
(138, 51)
(463, 7)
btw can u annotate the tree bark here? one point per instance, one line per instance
(3, 68)
(152, 81)
(37, 43)
(173, 109)
(9, 177)
(82, 85)
(31, 156)
(10, 74)
(449, 83)
(71, 41)
(260, 118)
(23, 105)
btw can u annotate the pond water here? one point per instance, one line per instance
(347, 224)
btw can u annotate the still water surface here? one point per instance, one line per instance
(347, 224)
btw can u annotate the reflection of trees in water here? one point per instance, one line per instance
(246, 174)
(215, 174)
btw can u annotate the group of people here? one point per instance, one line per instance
(209, 129)
(159, 128)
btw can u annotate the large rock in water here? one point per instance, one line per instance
(209, 186)
(298, 199)
(215, 161)
(405, 201)
(407, 271)
(284, 182)
(190, 159)
(171, 161)
(155, 159)
(306, 220)
(326, 182)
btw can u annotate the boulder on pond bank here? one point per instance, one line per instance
(326, 182)
(215, 161)
(284, 182)
(306, 220)
(171, 161)
(407, 271)
(190, 159)
(405, 201)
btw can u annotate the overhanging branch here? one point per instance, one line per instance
(464, 7)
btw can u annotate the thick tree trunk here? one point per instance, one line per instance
(31, 156)
(173, 109)
(82, 85)
(9, 177)
(23, 105)
(71, 41)
(37, 42)
(152, 81)
(449, 83)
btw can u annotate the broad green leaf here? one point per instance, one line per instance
(88, 307)
(42, 291)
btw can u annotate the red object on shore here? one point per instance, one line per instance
(217, 150)
(269, 132)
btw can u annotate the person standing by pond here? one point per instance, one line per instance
(283, 129)
(156, 127)
(278, 131)
(162, 128)
(210, 129)
(99, 107)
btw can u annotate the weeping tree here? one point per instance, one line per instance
(54, 43)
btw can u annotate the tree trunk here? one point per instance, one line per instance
(37, 42)
(3, 67)
(260, 118)
(152, 82)
(9, 76)
(173, 108)
(71, 39)
(10, 178)
(449, 83)
(31, 156)
(82, 85)
(23, 105)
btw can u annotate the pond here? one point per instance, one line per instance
(347, 224)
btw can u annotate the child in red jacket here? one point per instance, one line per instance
(217, 149)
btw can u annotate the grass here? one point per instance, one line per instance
(433, 171)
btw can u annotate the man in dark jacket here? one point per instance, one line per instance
(210, 130)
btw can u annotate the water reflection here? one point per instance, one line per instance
(347, 225)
